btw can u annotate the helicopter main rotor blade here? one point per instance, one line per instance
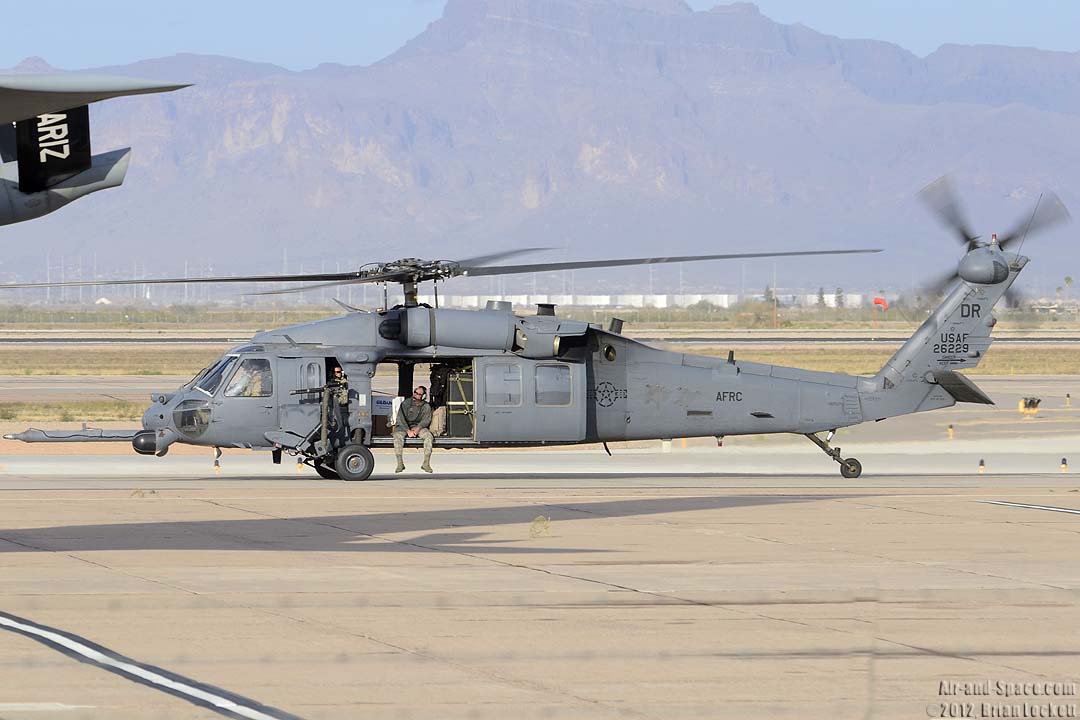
(411, 270)
(485, 259)
(578, 265)
(192, 281)
(940, 198)
(380, 278)
(337, 278)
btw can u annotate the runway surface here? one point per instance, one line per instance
(744, 581)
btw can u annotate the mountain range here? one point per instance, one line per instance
(599, 127)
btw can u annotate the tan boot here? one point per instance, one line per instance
(426, 467)
(400, 466)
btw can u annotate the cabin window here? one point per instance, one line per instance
(552, 384)
(311, 378)
(252, 379)
(502, 384)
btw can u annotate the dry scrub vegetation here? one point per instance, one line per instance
(114, 359)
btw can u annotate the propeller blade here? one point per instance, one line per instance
(1014, 298)
(940, 198)
(940, 284)
(578, 265)
(1048, 212)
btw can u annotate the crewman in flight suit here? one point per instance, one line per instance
(339, 410)
(413, 420)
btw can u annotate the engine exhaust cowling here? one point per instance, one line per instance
(487, 330)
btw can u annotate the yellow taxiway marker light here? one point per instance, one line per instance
(1064, 465)
(982, 466)
(952, 433)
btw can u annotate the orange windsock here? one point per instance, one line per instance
(882, 302)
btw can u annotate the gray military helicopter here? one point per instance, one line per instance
(512, 380)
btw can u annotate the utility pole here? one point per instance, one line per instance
(775, 301)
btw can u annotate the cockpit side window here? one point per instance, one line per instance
(211, 379)
(253, 378)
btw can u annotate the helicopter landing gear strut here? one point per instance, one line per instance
(849, 467)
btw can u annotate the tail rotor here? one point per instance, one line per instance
(941, 199)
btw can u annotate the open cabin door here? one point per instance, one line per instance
(521, 400)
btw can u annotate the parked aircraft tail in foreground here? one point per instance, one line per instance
(45, 140)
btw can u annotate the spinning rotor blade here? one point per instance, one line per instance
(192, 281)
(578, 265)
(940, 198)
(414, 270)
(479, 270)
(485, 259)
(337, 278)
(940, 284)
(384, 277)
(1048, 212)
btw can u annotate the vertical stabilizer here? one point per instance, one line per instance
(955, 336)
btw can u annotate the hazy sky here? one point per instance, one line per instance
(357, 32)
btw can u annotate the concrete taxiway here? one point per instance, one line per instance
(748, 580)
(559, 584)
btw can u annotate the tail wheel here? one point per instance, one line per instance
(326, 471)
(354, 462)
(850, 468)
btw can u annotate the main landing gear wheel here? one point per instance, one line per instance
(326, 471)
(850, 468)
(354, 462)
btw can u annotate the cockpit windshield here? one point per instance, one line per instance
(209, 380)
(198, 376)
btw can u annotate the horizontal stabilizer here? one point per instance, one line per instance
(962, 389)
(106, 170)
(25, 96)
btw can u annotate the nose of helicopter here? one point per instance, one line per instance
(156, 416)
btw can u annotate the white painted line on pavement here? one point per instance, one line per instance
(1071, 511)
(191, 690)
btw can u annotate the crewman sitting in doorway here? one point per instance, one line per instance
(413, 420)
